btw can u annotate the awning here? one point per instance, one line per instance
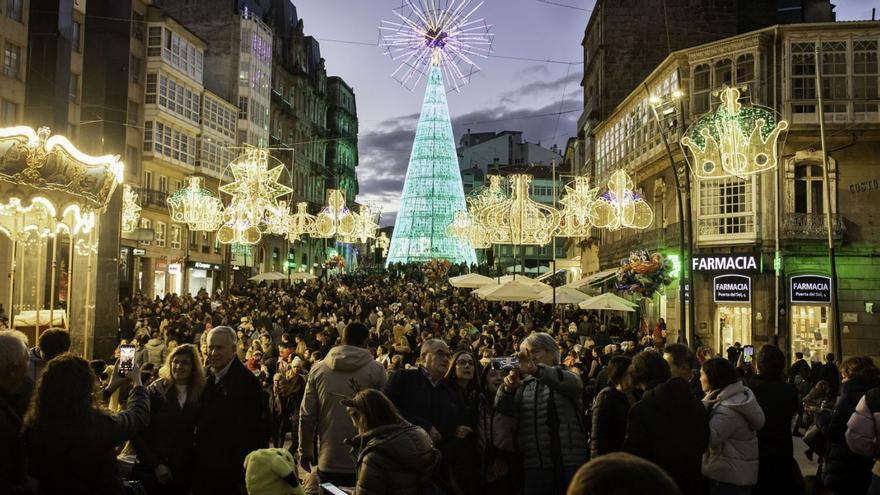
(594, 279)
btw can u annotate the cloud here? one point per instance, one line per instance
(539, 69)
(570, 83)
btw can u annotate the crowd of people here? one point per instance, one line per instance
(401, 384)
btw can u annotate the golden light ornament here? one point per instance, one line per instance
(335, 219)
(519, 220)
(489, 195)
(196, 206)
(382, 242)
(366, 225)
(577, 208)
(464, 227)
(254, 192)
(278, 218)
(620, 206)
(301, 222)
(131, 210)
(733, 140)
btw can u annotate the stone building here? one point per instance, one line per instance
(739, 225)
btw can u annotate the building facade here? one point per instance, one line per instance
(739, 225)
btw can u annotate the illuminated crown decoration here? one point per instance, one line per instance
(131, 210)
(335, 218)
(465, 228)
(301, 222)
(196, 206)
(255, 192)
(577, 208)
(54, 168)
(621, 207)
(733, 140)
(519, 220)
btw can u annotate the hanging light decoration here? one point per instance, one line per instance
(620, 206)
(479, 203)
(196, 206)
(335, 219)
(577, 208)
(131, 210)
(301, 222)
(519, 220)
(464, 227)
(255, 193)
(366, 225)
(277, 218)
(382, 242)
(733, 140)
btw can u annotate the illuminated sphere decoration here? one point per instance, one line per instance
(335, 218)
(621, 207)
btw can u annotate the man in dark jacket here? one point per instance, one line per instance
(668, 426)
(52, 342)
(231, 420)
(831, 374)
(13, 369)
(796, 367)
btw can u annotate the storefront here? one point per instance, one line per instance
(160, 269)
(810, 299)
(730, 277)
(175, 278)
(202, 275)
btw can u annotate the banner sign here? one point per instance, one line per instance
(810, 289)
(733, 288)
(201, 265)
(739, 263)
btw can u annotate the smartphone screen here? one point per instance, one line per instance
(126, 358)
(333, 489)
(748, 353)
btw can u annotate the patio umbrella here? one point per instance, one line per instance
(267, 276)
(525, 280)
(514, 291)
(564, 295)
(302, 276)
(471, 281)
(608, 301)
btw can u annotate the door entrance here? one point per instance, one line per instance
(809, 330)
(733, 323)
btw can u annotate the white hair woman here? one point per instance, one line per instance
(546, 400)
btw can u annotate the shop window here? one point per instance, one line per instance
(809, 190)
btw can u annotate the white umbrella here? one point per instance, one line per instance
(268, 276)
(515, 291)
(302, 276)
(471, 281)
(592, 279)
(564, 295)
(608, 301)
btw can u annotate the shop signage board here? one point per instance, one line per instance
(174, 268)
(138, 252)
(732, 263)
(810, 289)
(732, 288)
(201, 265)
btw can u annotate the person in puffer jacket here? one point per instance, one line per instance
(863, 433)
(545, 398)
(731, 462)
(154, 351)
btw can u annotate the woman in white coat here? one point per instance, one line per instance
(731, 463)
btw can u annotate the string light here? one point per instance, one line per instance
(335, 218)
(131, 210)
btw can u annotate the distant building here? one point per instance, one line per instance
(487, 149)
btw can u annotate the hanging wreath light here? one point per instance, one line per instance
(577, 208)
(196, 206)
(621, 207)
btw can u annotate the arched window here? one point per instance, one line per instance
(701, 87)
(809, 190)
(723, 73)
(745, 71)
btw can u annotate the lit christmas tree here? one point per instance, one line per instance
(436, 40)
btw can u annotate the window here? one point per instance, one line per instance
(701, 89)
(726, 207)
(745, 71)
(73, 88)
(13, 9)
(8, 113)
(803, 72)
(11, 60)
(242, 107)
(76, 37)
(132, 159)
(163, 184)
(809, 190)
(866, 75)
(723, 74)
(135, 69)
(834, 70)
(154, 42)
(160, 234)
(133, 114)
(172, 143)
(148, 135)
(146, 224)
(137, 25)
(175, 237)
(148, 180)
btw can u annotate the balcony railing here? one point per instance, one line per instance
(153, 198)
(811, 226)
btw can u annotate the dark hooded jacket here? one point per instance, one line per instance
(393, 459)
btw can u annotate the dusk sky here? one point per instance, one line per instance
(541, 97)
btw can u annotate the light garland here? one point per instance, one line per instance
(301, 222)
(365, 225)
(577, 208)
(465, 228)
(335, 219)
(519, 220)
(621, 207)
(733, 140)
(131, 210)
(196, 206)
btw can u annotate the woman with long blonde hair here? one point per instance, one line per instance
(165, 449)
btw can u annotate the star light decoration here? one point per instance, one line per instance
(131, 210)
(733, 140)
(621, 207)
(255, 192)
(196, 206)
(577, 211)
(519, 220)
(365, 226)
(436, 32)
(335, 218)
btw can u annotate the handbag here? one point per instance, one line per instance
(815, 440)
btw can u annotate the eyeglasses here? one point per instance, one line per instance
(462, 363)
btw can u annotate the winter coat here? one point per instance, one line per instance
(670, 428)
(271, 472)
(68, 458)
(779, 401)
(393, 459)
(424, 404)
(845, 471)
(12, 451)
(863, 428)
(36, 363)
(734, 420)
(610, 409)
(155, 352)
(342, 373)
(548, 409)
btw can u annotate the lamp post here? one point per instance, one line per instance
(685, 240)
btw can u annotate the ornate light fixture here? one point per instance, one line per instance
(519, 220)
(335, 219)
(382, 242)
(621, 207)
(196, 206)
(255, 192)
(733, 140)
(131, 210)
(577, 208)
(365, 225)
(464, 227)
(301, 222)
